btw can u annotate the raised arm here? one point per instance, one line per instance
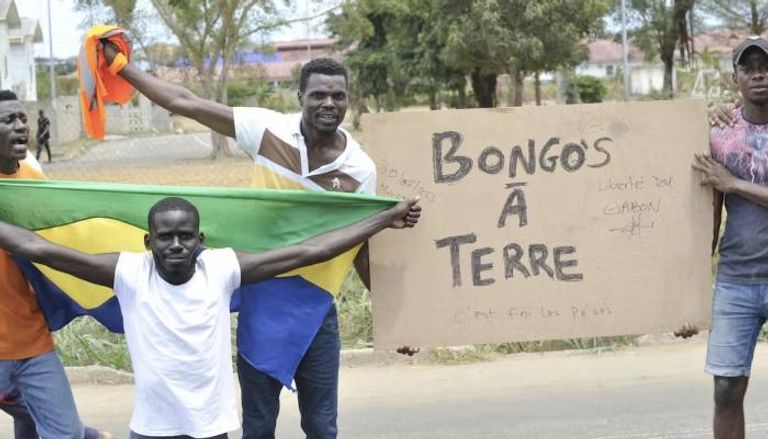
(259, 266)
(176, 98)
(99, 269)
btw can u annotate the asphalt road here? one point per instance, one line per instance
(655, 391)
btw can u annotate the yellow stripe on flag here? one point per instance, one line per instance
(94, 235)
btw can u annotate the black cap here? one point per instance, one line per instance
(748, 43)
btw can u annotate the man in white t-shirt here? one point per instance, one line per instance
(305, 151)
(175, 304)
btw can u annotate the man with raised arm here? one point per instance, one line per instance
(175, 302)
(308, 151)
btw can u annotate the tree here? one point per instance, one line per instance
(748, 14)
(364, 26)
(518, 37)
(662, 27)
(396, 48)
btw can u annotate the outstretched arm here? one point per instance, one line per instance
(258, 266)
(99, 269)
(176, 98)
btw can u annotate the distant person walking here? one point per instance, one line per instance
(43, 135)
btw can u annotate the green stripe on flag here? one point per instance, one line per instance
(246, 219)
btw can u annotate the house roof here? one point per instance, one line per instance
(277, 65)
(29, 30)
(720, 42)
(9, 13)
(303, 44)
(610, 52)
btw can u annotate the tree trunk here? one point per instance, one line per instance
(669, 66)
(433, 100)
(537, 83)
(461, 94)
(484, 86)
(219, 143)
(517, 81)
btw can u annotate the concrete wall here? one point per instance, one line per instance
(66, 122)
(139, 116)
(67, 125)
(646, 79)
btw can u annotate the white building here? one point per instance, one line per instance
(605, 60)
(17, 55)
(21, 62)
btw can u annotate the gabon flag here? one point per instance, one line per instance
(103, 218)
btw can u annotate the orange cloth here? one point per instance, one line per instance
(23, 328)
(99, 84)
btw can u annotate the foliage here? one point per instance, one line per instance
(486, 352)
(429, 46)
(745, 14)
(85, 342)
(65, 85)
(396, 51)
(490, 37)
(355, 313)
(590, 89)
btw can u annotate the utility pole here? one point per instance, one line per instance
(309, 29)
(624, 49)
(52, 69)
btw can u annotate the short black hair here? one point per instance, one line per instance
(172, 203)
(7, 95)
(323, 66)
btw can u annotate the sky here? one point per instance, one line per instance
(67, 25)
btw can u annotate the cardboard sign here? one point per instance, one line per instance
(542, 223)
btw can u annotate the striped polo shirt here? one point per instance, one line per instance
(279, 152)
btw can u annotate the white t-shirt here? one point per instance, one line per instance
(179, 340)
(278, 149)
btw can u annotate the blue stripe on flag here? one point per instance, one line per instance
(278, 320)
(59, 309)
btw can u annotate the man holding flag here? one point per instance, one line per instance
(174, 300)
(288, 328)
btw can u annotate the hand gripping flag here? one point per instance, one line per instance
(99, 83)
(100, 218)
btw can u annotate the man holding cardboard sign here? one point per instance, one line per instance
(738, 171)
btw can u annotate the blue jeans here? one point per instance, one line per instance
(738, 313)
(41, 384)
(317, 384)
(23, 424)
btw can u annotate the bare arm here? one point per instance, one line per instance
(258, 266)
(176, 98)
(363, 267)
(99, 269)
(717, 176)
(718, 217)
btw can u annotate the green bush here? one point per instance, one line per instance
(590, 89)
